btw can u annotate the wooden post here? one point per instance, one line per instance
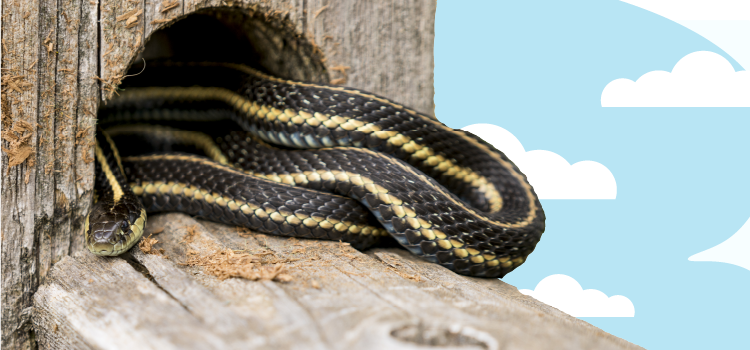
(60, 59)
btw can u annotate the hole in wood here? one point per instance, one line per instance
(444, 336)
(256, 38)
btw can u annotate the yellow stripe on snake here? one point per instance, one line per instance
(306, 160)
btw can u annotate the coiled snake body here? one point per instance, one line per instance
(354, 167)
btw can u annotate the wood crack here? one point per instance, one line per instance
(133, 262)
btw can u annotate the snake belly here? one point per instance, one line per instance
(444, 194)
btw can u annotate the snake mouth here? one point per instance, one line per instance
(107, 242)
(103, 249)
(108, 234)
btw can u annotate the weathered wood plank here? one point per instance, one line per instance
(107, 304)
(338, 298)
(20, 105)
(85, 114)
(45, 148)
(53, 81)
(202, 304)
(161, 12)
(60, 82)
(395, 33)
(122, 26)
(64, 48)
(284, 322)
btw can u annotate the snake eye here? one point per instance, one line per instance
(124, 225)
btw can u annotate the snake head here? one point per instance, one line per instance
(108, 231)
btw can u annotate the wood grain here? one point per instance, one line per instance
(60, 59)
(338, 298)
(20, 210)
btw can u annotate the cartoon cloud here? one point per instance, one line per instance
(732, 251)
(550, 174)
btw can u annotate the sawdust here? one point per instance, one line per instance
(225, 263)
(110, 85)
(415, 278)
(161, 20)
(19, 142)
(391, 265)
(19, 135)
(16, 83)
(191, 235)
(130, 17)
(146, 245)
(342, 245)
(344, 75)
(88, 156)
(319, 11)
(81, 135)
(243, 232)
(166, 5)
(32, 64)
(338, 81)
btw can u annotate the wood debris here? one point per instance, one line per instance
(225, 263)
(88, 156)
(391, 264)
(343, 71)
(80, 135)
(110, 85)
(130, 17)
(243, 232)
(146, 245)
(127, 15)
(415, 278)
(166, 5)
(32, 64)
(342, 252)
(15, 83)
(161, 20)
(191, 235)
(19, 140)
(318, 12)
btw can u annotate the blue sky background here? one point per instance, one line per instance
(537, 69)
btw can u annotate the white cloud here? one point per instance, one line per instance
(700, 79)
(726, 10)
(566, 294)
(730, 36)
(732, 251)
(550, 174)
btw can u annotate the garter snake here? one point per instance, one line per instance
(346, 165)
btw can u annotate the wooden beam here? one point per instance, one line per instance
(337, 298)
